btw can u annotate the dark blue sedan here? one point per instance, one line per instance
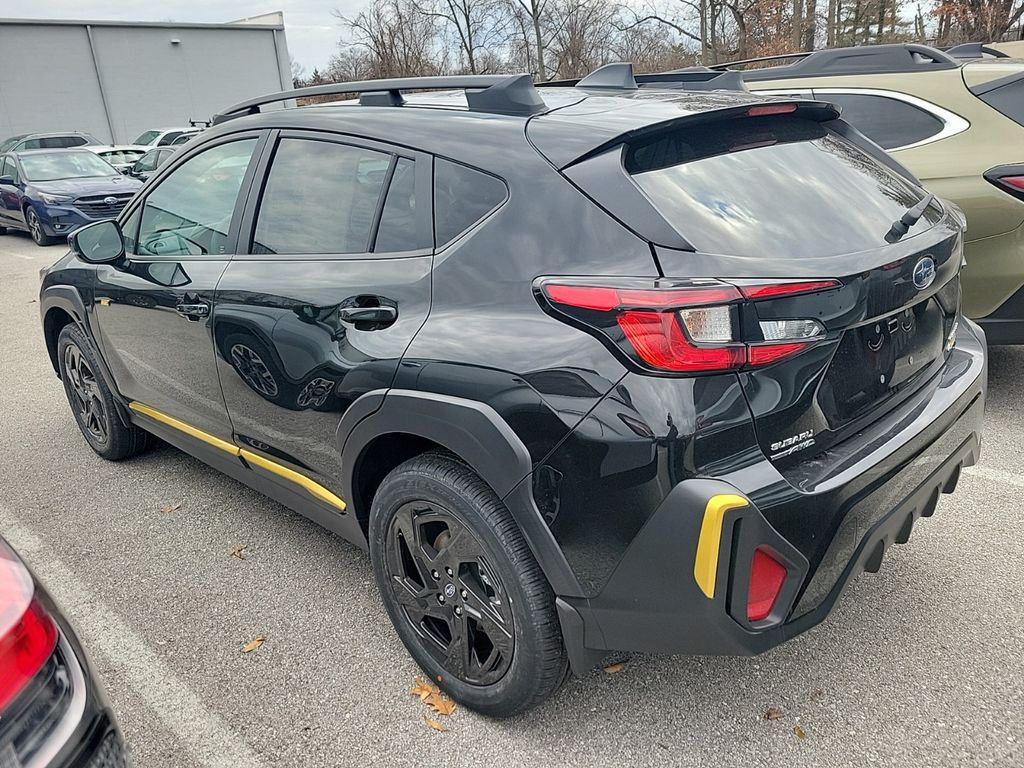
(51, 192)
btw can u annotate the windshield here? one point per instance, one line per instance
(50, 166)
(121, 156)
(147, 138)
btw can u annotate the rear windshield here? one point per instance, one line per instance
(146, 138)
(771, 186)
(1008, 99)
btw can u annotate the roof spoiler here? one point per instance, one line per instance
(856, 60)
(975, 51)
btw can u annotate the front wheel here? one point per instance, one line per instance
(465, 594)
(92, 402)
(35, 228)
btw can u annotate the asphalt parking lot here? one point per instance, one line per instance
(921, 664)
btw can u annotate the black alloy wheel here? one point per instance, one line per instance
(91, 400)
(462, 587)
(449, 594)
(85, 397)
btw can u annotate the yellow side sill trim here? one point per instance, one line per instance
(313, 487)
(290, 474)
(705, 565)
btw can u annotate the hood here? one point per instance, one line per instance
(97, 185)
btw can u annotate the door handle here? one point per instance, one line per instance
(379, 315)
(193, 311)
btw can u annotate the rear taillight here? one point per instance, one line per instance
(1009, 178)
(687, 327)
(28, 634)
(767, 575)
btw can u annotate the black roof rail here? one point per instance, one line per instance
(505, 94)
(856, 60)
(620, 77)
(975, 51)
(697, 79)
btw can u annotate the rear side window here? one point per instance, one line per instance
(1008, 99)
(771, 187)
(462, 196)
(168, 138)
(890, 123)
(320, 197)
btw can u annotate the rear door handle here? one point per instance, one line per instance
(193, 311)
(379, 315)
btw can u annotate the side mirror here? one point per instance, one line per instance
(99, 243)
(9, 180)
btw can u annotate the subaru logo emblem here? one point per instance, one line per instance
(449, 590)
(924, 273)
(110, 200)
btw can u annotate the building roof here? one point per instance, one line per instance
(273, 20)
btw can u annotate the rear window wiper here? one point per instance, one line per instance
(909, 219)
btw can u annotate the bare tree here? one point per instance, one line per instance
(401, 40)
(478, 26)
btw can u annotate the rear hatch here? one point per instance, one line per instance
(842, 315)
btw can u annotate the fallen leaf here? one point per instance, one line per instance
(31, 301)
(435, 725)
(169, 509)
(238, 552)
(618, 666)
(423, 689)
(252, 645)
(773, 713)
(440, 704)
(800, 732)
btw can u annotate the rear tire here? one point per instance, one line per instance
(91, 401)
(462, 588)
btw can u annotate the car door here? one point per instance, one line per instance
(152, 311)
(325, 295)
(8, 192)
(11, 195)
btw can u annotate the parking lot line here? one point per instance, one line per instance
(210, 741)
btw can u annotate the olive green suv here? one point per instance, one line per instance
(958, 124)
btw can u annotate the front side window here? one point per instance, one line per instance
(320, 197)
(51, 166)
(890, 123)
(147, 162)
(189, 212)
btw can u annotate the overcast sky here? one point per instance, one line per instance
(311, 29)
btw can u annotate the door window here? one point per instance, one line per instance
(168, 138)
(147, 162)
(189, 212)
(320, 197)
(890, 123)
(397, 230)
(7, 168)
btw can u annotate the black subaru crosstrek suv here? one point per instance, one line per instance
(585, 368)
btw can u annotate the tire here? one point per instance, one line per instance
(91, 401)
(513, 656)
(35, 228)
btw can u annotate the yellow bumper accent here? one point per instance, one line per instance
(705, 565)
(311, 486)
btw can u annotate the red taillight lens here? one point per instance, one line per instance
(691, 327)
(771, 109)
(27, 633)
(1017, 182)
(659, 340)
(767, 576)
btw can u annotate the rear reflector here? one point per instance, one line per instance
(687, 326)
(767, 576)
(28, 634)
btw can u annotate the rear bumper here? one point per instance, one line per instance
(653, 601)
